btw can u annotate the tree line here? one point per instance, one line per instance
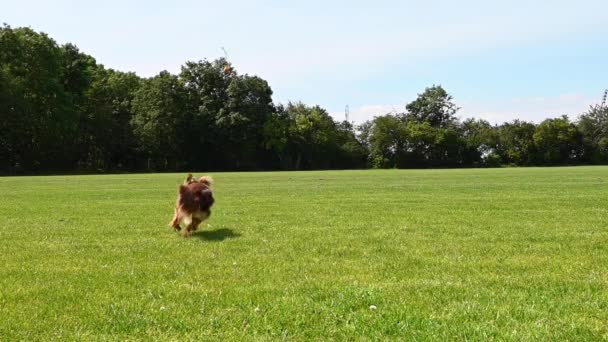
(61, 111)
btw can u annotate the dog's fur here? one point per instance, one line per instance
(193, 205)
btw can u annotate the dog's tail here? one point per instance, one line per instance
(206, 180)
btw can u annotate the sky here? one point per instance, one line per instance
(500, 60)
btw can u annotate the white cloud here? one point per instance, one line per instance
(534, 109)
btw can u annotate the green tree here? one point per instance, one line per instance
(206, 88)
(106, 138)
(243, 119)
(277, 139)
(305, 137)
(78, 71)
(387, 139)
(37, 120)
(350, 150)
(516, 142)
(159, 119)
(434, 106)
(557, 141)
(312, 131)
(60, 110)
(425, 136)
(227, 114)
(419, 149)
(479, 141)
(593, 127)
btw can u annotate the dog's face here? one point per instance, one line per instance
(203, 198)
(195, 196)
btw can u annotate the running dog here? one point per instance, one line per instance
(193, 205)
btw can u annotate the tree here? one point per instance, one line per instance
(446, 148)
(516, 142)
(434, 106)
(159, 119)
(593, 127)
(479, 140)
(249, 106)
(557, 141)
(351, 153)
(38, 121)
(277, 138)
(364, 133)
(230, 110)
(8, 126)
(425, 136)
(78, 70)
(312, 131)
(206, 90)
(62, 111)
(387, 140)
(420, 148)
(105, 134)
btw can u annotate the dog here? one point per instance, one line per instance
(193, 205)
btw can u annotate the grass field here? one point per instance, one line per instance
(508, 254)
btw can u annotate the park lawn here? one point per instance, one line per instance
(478, 254)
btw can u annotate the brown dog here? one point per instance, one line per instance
(193, 206)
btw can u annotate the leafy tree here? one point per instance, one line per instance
(159, 118)
(434, 106)
(593, 127)
(312, 131)
(37, 120)
(364, 132)
(479, 140)
(421, 138)
(227, 113)
(277, 139)
(206, 88)
(105, 134)
(516, 142)
(350, 151)
(558, 141)
(61, 111)
(446, 148)
(249, 106)
(78, 71)
(387, 139)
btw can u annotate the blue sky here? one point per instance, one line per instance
(499, 59)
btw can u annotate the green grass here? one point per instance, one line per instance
(505, 254)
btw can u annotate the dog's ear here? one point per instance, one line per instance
(206, 180)
(188, 179)
(182, 189)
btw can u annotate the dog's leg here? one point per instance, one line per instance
(195, 223)
(188, 220)
(189, 229)
(192, 226)
(175, 222)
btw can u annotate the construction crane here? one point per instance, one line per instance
(227, 67)
(347, 113)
